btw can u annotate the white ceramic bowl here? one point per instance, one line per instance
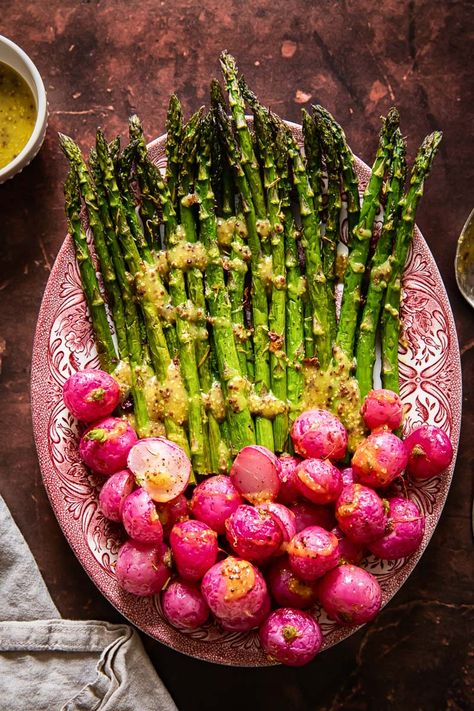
(16, 58)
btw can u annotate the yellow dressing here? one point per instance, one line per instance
(162, 480)
(17, 114)
(239, 576)
(335, 389)
(123, 376)
(266, 405)
(174, 396)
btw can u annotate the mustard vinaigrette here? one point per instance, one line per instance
(17, 114)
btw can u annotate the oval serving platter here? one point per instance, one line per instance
(430, 372)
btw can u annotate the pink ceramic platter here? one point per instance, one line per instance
(431, 390)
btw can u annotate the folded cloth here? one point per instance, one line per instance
(48, 663)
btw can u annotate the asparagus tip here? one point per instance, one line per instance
(216, 93)
(229, 65)
(393, 119)
(174, 103)
(135, 128)
(66, 142)
(101, 143)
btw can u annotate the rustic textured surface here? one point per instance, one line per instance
(102, 60)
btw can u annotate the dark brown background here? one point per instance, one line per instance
(102, 60)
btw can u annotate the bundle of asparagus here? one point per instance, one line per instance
(216, 306)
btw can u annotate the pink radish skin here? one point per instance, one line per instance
(347, 476)
(104, 446)
(142, 568)
(213, 501)
(286, 589)
(114, 492)
(307, 514)
(253, 533)
(172, 512)
(319, 434)
(313, 552)
(184, 606)
(161, 467)
(382, 409)
(140, 518)
(247, 622)
(349, 551)
(350, 595)
(290, 637)
(283, 516)
(289, 491)
(379, 459)
(361, 513)
(236, 594)
(194, 547)
(91, 394)
(255, 474)
(406, 526)
(319, 481)
(429, 452)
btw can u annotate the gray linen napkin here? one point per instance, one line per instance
(49, 663)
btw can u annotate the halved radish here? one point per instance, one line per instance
(161, 467)
(254, 474)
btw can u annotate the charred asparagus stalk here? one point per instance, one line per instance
(149, 293)
(180, 257)
(356, 266)
(350, 181)
(123, 171)
(235, 386)
(332, 215)
(295, 350)
(380, 269)
(249, 183)
(95, 302)
(218, 451)
(149, 209)
(403, 240)
(263, 424)
(95, 216)
(233, 235)
(174, 137)
(277, 315)
(316, 281)
(116, 281)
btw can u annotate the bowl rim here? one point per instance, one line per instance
(41, 110)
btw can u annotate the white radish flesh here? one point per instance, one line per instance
(161, 467)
